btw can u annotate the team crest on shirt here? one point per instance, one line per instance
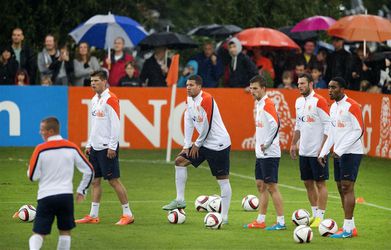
(309, 107)
(259, 124)
(200, 119)
(340, 124)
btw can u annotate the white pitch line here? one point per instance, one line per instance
(231, 173)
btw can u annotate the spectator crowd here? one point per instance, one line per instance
(227, 65)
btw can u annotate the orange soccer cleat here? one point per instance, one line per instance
(88, 220)
(125, 220)
(354, 232)
(255, 224)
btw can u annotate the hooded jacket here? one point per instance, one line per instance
(183, 79)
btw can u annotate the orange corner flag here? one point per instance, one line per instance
(173, 72)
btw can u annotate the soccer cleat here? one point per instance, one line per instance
(312, 219)
(315, 222)
(224, 222)
(276, 226)
(174, 205)
(354, 232)
(125, 220)
(88, 220)
(16, 215)
(342, 235)
(255, 224)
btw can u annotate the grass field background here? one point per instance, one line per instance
(150, 184)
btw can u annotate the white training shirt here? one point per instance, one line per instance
(266, 128)
(53, 163)
(203, 114)
(347, 128)
(105, 124)
(312, 120)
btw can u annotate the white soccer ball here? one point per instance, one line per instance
(214, 204)
(328, 227)
(302, 234)
(27, 213)
(301, 217)
(213, 220)
(201, 203)
(176, 216)
(250, 203)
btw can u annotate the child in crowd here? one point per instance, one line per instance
(287, 80)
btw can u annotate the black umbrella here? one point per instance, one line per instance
(226, 30)
(169, 40)
(203, 30)
(298, 36)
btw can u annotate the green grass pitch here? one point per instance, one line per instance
(150, 184)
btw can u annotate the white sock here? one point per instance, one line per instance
(314, 208)
(281, 220)
(320, 214)
(261, 218)
(126, 209)
(348, 225)
(35, 242)
(226, 193)
(94, 212)
(180, 181)
(64, 242)
(353, 224)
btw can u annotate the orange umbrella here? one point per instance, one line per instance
(368, 28)
(260, 37)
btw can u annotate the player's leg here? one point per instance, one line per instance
(64, 240)
(337, 178)
(307, 177)
(226, 194)
(36, 241)
(64, 209)
(42, 224)
(320, 175)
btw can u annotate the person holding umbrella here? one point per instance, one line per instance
(155, 69)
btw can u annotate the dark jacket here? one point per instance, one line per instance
(153, 73)
(210, 73)
(245, 70)
(55, 66)
(8, 72)
(126, 81)
(27, 62)
(339, 63)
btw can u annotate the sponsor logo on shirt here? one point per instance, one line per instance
(98, 113)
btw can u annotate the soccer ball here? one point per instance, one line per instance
(302, 234)
(27, 213)
(201, 203)
(250, 203)
(214, 204)
(213, 220)
(176, 216)
(328, 227)
(301, 217)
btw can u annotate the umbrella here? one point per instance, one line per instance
(226, 30)
(255, 37)
(101, 30)
(203, 30)
(362, 28)
(170, 40)
(314, 23)
(299, 36)
(215, 30)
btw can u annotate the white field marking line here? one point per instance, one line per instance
(231, 173)
(131, 201)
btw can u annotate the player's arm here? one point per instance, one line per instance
(327, 145)
(85, 167)
(273, 129)
(189, 129)
(296, 135)
(113, 112)
(34, 168)
(206, 121)
(356, 132)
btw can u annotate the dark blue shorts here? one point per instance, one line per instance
(310, 169)
(346, 167)
(103, 166)
(266, 169)
(59, 206)
(218, 160)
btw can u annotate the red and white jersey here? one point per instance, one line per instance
(266, 129)
(105, 124)
(312, 120)
(53, 163)
(347, 128)
(203, 114)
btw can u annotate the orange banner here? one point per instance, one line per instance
(145, 113)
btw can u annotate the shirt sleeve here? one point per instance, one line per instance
(34, 168)
(113, 112)
(189, 129)
(297, 122)
(86, 169)
(272, 120)
(328, 143)
(206, 115)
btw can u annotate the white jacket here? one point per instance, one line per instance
(105, 124)
(347, 128)
(203, 114)
(266, 128)
(312, 120)
(53, 163)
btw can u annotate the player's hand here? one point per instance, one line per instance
(79, 198)
(111, 153)
(335, 156)
(213, 58)
(87, 151)
(108, 61)
(194, 152)
(322, 161)
(185, 151)
(293, 152)
(263, 148)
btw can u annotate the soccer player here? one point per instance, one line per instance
(213, 145)
(268, 154)
(102, 148)
(346, 135)
(312, 123)
(52, 165)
